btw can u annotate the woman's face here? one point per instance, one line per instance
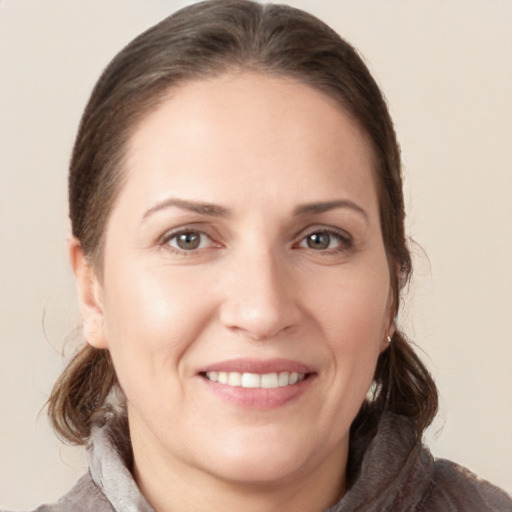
(245, 294)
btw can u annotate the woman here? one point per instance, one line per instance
(238, 244)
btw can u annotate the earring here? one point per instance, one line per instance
(389, 339)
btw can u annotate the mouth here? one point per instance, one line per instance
(256, 380)
(259, 384)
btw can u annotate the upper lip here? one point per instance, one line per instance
(261, 366)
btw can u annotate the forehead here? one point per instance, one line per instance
(271, 133)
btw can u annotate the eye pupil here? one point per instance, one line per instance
(318, 240)
(188, 241)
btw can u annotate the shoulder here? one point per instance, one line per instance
(454, 487)
(83, 497)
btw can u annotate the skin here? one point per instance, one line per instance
(259, 148)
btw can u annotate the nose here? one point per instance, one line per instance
(259, 296)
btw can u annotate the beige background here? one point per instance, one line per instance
(445, 66)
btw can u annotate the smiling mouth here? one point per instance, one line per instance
(256, 380)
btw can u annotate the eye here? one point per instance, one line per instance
(187, 240)
(326, 240)
(320, 241)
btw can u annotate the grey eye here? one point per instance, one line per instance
(319, 241)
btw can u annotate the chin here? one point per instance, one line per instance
(264, 458)
(260, 469)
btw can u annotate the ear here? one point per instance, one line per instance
(89, 296)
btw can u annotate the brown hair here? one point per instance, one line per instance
(199, 41)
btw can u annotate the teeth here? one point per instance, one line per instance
(269, 380)
(250, 380)
(284, 379)
(234, 379)
(256, 380)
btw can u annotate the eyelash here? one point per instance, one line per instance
(345, 241)
(168, 237)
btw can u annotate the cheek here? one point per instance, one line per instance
(354, 305)
(354, 317)
(148, 321)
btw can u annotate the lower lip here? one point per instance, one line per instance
(260, 398)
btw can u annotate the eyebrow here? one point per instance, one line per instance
(209, 209)
(322, 207)
(214, 210)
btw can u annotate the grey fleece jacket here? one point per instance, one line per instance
(394, 474)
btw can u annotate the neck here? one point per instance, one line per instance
(169, 493)
(170, 484)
